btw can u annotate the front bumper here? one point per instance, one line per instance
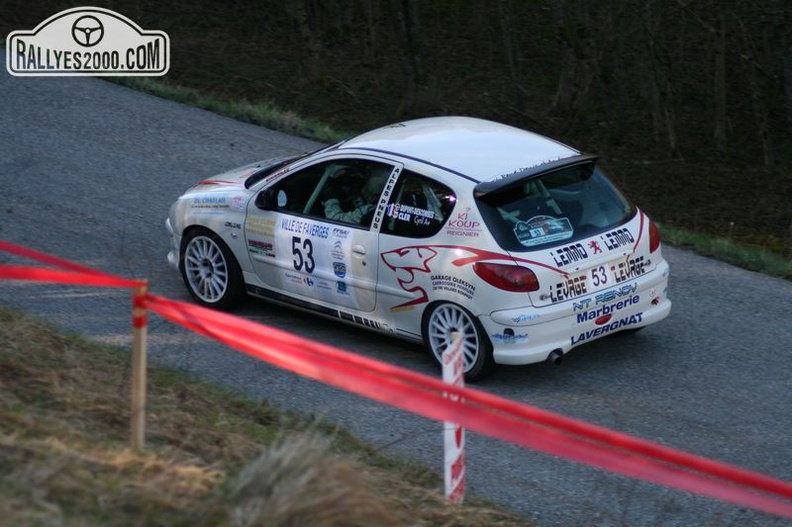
(173, 253)
(529, 335)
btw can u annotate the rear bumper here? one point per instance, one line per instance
(529, 335)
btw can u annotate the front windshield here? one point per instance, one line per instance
(560, 206)
(273, 168)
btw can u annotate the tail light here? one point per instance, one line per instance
(654, 237)
(507, 277)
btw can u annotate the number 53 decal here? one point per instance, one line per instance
(302, 249)
(599, 276)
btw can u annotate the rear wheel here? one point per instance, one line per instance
(442, 321)
(210, 271)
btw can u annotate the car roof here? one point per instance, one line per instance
(479, 149)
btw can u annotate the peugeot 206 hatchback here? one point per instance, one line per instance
(429, 228)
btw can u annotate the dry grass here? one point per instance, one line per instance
(212, 457)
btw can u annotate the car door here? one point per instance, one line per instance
(415, 252)
(301, 254)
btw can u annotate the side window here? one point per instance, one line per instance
(294, 193)
(341, 190)
(418, 208)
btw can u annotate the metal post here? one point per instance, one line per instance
(454, 434)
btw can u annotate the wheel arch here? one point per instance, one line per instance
(186, 234)
(484, 364)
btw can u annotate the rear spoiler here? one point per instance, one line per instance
(517, 177)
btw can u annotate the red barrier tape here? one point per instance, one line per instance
(476, 410)
(40, 274)
(46, 258)
(482, 412)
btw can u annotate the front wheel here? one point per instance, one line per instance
(210, 271)
(444, 319)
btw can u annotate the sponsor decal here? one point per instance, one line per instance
(525, 318)
(608, 309)
(618, 238)
(341, 288)
(85, 41)
(260, 247)
(260, 226)
(570, 254)
(232, 225)
(211, 200)
(383, 202)
(293, 278)
(523, 169)
(339, 269)
(303, 227)
(278, 173)
(324, 285)
(340, 233)
(464, 225)
(542, 229)
(604, 297)
(509, 340)
(210, 204)
(238, 203)
(404, 212)
(576, 252)
(337, 252)
(602, 330)
(453, 284)
(570, 287)
(629, 269)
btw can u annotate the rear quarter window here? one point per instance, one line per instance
(418, 208)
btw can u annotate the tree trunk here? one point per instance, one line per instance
(512, 61)
(578, 58)
(407, 18)
(658, 82)
(719, 89)
(310, 43)
(371, 14)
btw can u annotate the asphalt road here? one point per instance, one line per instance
(88, 170)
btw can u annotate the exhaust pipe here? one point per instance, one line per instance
(556, 356)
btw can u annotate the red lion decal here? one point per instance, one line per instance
(407, 261)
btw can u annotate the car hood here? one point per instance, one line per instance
(237, 177)
(232, 178)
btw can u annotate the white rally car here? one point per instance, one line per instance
(429, 227)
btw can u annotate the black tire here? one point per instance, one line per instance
(210, 270)
(441, 320)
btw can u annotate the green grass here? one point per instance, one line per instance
(211, 456)
(754, 258)
(262, 113)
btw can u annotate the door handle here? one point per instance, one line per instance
(359, 249)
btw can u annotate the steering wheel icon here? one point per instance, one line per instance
(87, 31)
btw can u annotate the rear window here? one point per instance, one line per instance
(558, 207)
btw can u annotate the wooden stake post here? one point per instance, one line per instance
(139, 324)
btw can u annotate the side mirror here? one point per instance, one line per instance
(266, 199)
